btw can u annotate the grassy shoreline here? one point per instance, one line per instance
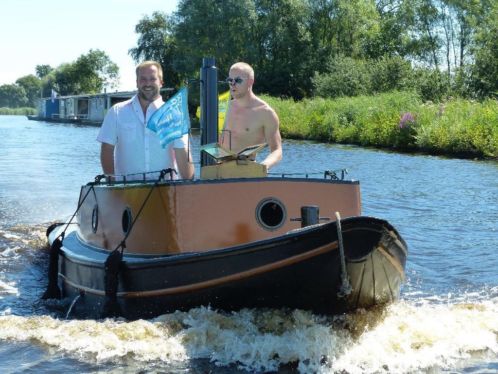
(397, 121)
(17, 111)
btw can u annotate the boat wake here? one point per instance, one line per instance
(420, 333)
(404, 337)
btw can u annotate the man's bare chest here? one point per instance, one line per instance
(245, 123)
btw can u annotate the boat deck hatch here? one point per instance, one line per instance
(271, 213)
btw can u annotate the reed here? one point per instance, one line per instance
(17, 111)
(397, 120)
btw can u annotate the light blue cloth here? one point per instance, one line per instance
(171, 121)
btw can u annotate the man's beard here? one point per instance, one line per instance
(148, 95)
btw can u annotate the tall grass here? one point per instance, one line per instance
(397, 120)
(17, 111)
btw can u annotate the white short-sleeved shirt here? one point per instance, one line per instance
(136, 148)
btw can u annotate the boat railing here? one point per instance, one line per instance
(339, 174)
(169, 174)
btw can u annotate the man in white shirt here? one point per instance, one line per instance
(128, 146)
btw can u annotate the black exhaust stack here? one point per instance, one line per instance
(209, 105)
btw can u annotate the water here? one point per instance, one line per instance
(445, 322)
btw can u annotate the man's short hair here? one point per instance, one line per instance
(245, 67)
(150, 63)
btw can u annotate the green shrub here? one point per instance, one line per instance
(389, 74)
(396, 120)
(431, 85)
(345, 77)
(17, 111)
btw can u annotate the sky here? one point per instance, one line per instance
(53, 32)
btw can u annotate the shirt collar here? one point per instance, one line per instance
(150, 109)
(154, 105)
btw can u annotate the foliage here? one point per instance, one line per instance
(222, 29)
(345, 76)
(484, 72)
(12, 96)
(432, 85)
(157, 43)
(43, 70)
(24, 111)
(283, 44)
(390, 73)
(32, 86)
(460, 127)
(437, 48)
(299, 47)
(89, 74)
(395, 120)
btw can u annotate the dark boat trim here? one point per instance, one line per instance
(217, 281)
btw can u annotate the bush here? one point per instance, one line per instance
(460, 127)
(396, 120)
(345, 77)
(389, 74)
(431, 85)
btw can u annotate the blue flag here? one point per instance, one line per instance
(171, 120)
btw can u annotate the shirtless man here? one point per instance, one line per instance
(250, 120)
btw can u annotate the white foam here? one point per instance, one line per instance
(402, 338)
(8, 288)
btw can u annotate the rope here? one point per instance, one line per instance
(113, 263)
(53, 291)
(345, 288)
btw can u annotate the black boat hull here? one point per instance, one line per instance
(301, 269)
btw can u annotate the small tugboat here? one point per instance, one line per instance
(233, 238)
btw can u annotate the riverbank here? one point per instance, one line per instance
(17, 111)
(397, 120)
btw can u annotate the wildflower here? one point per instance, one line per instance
(406, 120)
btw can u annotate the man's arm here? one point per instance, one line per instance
(184, 162)
(107, 158)
(273, 138)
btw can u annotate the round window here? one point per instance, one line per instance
(126, 220)
(271, 214)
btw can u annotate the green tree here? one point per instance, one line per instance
(344, 27)
(95, 71)
(89, 74)
(394, 32)
(284, 61)
(43, 70)
(389, 74)
(32, 86)
(484, 71)
(156, 42)
(12, 96)
(222, 29)
(64, 80)
(345, 76)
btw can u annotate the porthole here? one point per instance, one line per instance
(126, 220)
(271, 214)
(95, 218)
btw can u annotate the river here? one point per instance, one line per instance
(446, 320)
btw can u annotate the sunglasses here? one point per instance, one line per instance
(237, 80)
